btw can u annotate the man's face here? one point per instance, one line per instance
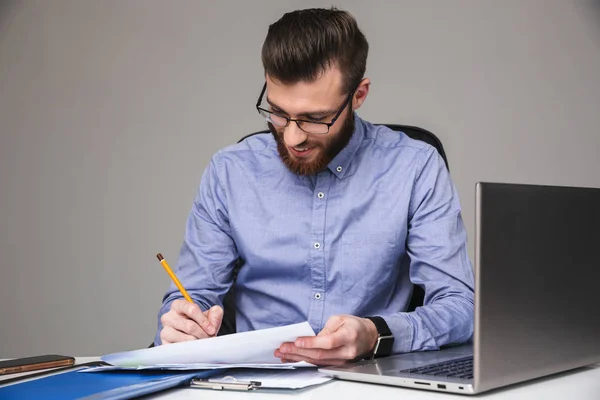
(307, 153)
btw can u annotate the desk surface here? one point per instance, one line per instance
(580, 384)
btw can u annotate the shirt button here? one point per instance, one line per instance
(318, 296)
(321, 195)
(339, 169)
(317, 245)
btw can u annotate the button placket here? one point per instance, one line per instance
(318, 250)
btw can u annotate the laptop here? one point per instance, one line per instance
(537, 268)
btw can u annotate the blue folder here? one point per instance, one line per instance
(109, 385)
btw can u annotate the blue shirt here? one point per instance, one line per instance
(350, 240)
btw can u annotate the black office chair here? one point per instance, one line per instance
(418, 296)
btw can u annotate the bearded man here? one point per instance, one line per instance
(336, 219)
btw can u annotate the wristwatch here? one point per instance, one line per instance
(385, 340)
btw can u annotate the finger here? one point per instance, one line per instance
(297, 358)
(170, 335)
(215, 316)
(278, 354)
(333, 324)
(323, 341)
(179, 304)
(183, 324)
(339, 353)
(193, 312)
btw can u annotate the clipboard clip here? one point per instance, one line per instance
(226, 383)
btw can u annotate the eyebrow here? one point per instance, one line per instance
(304, 114)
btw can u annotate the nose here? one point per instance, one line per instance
(293, 135)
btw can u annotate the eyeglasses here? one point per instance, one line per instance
(315, 127)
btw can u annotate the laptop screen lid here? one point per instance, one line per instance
(537, 273)
(535, 306)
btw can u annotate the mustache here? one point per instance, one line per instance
(279, 138)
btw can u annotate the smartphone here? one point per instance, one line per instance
(34, 363)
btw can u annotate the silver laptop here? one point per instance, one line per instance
(537, 269)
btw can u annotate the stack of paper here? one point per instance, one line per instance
(252, 349)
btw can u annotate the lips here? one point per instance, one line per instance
(301, 154)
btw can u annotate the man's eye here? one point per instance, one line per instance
(315, 119)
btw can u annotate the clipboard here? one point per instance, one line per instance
(230, 384)
(263, 379)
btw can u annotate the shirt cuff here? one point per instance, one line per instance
(403, 331)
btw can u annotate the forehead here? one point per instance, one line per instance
(322, 94)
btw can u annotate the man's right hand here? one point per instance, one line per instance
(186, 321)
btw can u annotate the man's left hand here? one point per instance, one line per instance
(343, 339)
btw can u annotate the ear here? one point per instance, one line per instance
(360, 95)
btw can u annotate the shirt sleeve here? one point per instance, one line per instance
(208, 253)
(439, 263)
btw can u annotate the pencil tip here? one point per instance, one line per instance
(160, 257)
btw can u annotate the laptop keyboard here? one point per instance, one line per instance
(460, 368)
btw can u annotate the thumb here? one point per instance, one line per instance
(215, 316)
(333, 324)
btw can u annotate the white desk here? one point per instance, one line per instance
(581, 384)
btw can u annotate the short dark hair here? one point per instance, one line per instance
(303, 44)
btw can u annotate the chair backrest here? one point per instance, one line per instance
(423, 135)
(418, 296)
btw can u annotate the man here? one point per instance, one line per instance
(335, 218)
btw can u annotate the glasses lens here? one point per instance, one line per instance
(314, 128)
(273, 118)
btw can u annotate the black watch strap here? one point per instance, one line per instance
(385, 340)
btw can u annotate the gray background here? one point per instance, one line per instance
(110, 110)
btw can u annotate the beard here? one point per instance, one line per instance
(325, 152)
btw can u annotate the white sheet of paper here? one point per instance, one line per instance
(247, 349)
(184, 367)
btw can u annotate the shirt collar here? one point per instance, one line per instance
(339, 165)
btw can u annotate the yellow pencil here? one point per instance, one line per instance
(163, 262)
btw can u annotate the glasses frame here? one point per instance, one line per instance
(300, 121)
